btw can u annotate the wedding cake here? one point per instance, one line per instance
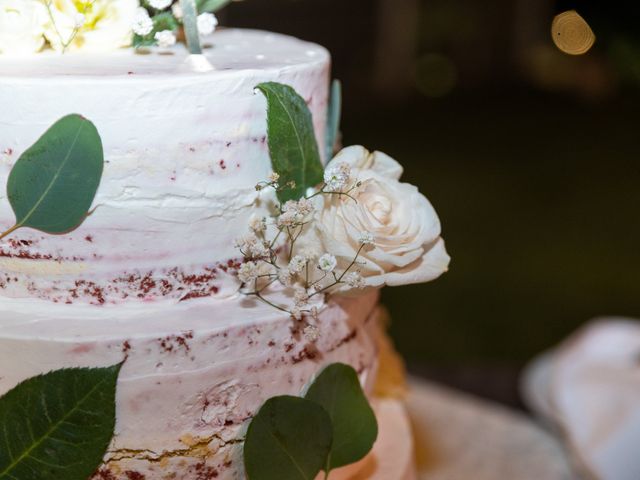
(192, 271)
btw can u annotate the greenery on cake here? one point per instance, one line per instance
(294, 438)
(292, 141)
(349, 226)
(159, 22)
(59, 425)
(53, 184)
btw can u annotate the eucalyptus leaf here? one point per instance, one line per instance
(53, 184)
(211, 5)
(355, 428)
(289, 439)
(292, 142)
(57, 426)
(333, 118)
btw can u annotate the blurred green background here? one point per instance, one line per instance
(530, 156)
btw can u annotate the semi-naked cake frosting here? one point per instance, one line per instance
(149, 278)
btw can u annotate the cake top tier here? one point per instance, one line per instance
(231, 51)
(183, 153)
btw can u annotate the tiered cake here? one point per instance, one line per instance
(150, 278)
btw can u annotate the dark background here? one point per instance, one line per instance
(530, 156)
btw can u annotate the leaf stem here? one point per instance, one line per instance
(10, 231)
(190, 21)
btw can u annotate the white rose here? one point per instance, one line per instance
(402, 228)
(108, 24)
(22, 25)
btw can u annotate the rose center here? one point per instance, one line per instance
(380, 208)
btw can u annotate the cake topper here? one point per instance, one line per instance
(30, 26)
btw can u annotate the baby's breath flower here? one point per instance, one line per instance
(296, 313)
(287, 219)
(207, 23)
(176, 9)
(309, 254)
(354, 280)
(289, 206)
(297, 211)
(304, 207)
(142, 24)
(285, 277)
(301, 297)
(314, 313)
(160, 4)
(327, 262)
(311, 333)
(337, 176)
(251, 246)
(297, 264)
(367, 238)
(258, 224)
(273, 177)
(165, 38)
(248, 272)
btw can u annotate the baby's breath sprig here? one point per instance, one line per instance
(158, 22)
(274, 257)
(79, 22)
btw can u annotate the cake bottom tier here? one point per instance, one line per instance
(194, 373)
(392, 457)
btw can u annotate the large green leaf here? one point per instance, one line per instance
(355, 429)
(57, 426)
(292, 142)
(52, 185)
(289, 439)
(212, 5)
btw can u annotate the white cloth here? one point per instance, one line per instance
(589, 389)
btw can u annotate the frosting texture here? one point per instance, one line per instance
(183, 151)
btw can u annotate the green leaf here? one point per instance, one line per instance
(292, 142)
(334, 117)
(52, 185)
(57, 426)
(289, 439)
(211, 5)
(355, 428)
(164, 21)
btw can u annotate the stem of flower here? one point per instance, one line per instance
(338, 280)
(190, 21)
(258, 295)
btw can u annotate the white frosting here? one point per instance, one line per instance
(194, 373)
(183, 151)
(148, 276)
